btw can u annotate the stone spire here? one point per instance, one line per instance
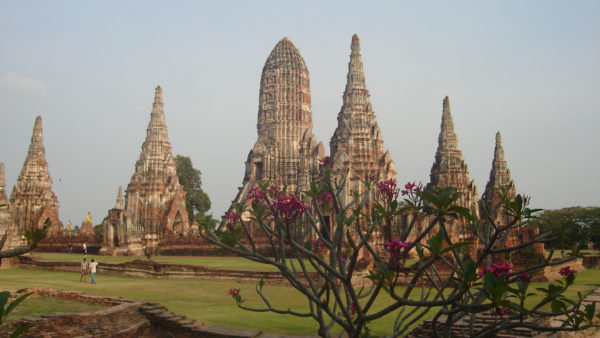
(7, 222)
(120, 204)
(286, 151)
(449, 168)
(499, 179)
(154, 200)
(357, 144)
(32, 201)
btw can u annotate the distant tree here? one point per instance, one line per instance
(206, 221)
(99, 230)
(197, 201)
(571, 226)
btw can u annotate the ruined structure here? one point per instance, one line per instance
(450, 169)
(357, 144)
(499, 180)
(7, 222)
(32, 202)
(287, 151)
(87, 228)
(154, 199)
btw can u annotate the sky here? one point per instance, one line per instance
(529, 69)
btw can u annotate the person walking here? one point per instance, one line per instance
(84, 270)
(93, 266)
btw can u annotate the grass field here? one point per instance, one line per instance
(224, 263)
(207, 301)
(34, 307)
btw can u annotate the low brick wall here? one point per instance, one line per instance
(123, 318)
(591, 261)
(148, 269)
(61, 244)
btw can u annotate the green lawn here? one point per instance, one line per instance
(34, 307)
(208, 301)
(224, 263)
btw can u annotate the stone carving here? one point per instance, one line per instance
(450, 169)
(287, 151)
(356, 145)
(154, 204)
(32, 202)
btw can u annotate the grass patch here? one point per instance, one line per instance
(224, 263)
(207, 301)
(34, 307)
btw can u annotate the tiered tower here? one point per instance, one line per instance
(287, 151)
(499, 179)
(32, 202)
(357, 145)
(7, 222)
(154, 199)
(120, 203)
(450, 169)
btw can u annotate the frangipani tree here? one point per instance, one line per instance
(447, 276)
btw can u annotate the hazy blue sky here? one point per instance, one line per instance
(530, 69)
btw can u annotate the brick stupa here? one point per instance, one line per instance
(154, 199)
(287, 151)
(357, 145)
(450, 169)
(499, 180)
(32, 202)
(7, 222)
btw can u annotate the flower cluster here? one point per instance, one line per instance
(411, 187)
(255, 194)
(324, 159)
(324, 198)
(233, 217)
(567, 272)
(524, 277)
(397, 248)
(388, 189)
(497, 270)
(289, 208)
(316, 244)
(273, 190)
(234, 292)
(502, 311)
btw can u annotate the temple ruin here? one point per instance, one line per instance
(154, 204)
(32, 203)
(287, 152)
(357, 145)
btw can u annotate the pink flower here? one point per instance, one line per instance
(397, 248)
(234, 292)
(324, 198)
(567, 272)
(233, 217)
(255, 194)
(411, 188)
(288, 208)
(273, 190)
(524, 277)
(388, 189)
(497, 269)
(353, 308)
(316, 244)
(502, 311)
(324, 159)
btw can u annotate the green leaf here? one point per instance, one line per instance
(16, 302)
(22, 329)
(3, 299)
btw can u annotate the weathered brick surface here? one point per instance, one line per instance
(122, 318)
